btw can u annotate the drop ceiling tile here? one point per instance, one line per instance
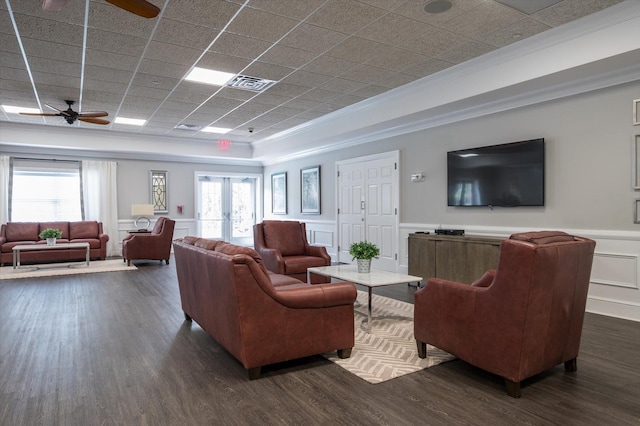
(52, 50)
(295, 9)
(163, 69)
(206, 13)
(318, 95)
(465, 52)
(172, 53)
(287, 56)
(285, 89)
(111, 60)
(173, 32)
(55, 67)
(115, 42)
(428, 67)
(415, 10)
(269, 71)
(107, 74)
(240, 46)
(9, 43)
(306, 79)
(236, 94)
(346, 100)
(569, 10)
(330, 65)
(270, 99)
(434, 42)
(47, 29)
(303, 104)
(395, 59)
(393, 29)
(44, 78)
(341, 85)
(184, 93)
(114, 88)
(261, 25)
(154, 81)
(148, 92)
(13, 61)
(345, 16)
(369, 91)
(357, 49)
(395, 80)
(313, 38)
(366, 74)
(485, 18)
(514, 33)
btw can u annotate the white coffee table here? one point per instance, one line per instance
(375, 278)
(38, 247)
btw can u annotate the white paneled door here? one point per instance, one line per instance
(368, 198)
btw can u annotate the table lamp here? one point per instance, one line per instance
(142, 222)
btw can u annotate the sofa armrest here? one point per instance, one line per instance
(103, 238)
(485, 280)
(318, 251)
(317, 296)
(272, 259)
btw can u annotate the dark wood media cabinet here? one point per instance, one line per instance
(457, 258)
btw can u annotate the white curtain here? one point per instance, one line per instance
(4, 188)
(100, 199)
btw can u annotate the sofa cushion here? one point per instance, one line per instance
(190, 240)
(62, 226)
(83, 230)
(22, 231)
(284, 236)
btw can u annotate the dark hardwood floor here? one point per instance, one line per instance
(113, 348)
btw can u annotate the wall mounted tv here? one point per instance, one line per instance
(506, 175)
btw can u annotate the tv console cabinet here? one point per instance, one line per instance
(451, 257)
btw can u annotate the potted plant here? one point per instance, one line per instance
(364, 251)
(51, 234)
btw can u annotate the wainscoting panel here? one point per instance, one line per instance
(323, 233)
(615, 269)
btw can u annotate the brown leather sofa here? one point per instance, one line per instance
(285, 250)
(155, 245)
(20, 233)
(519, 320)
(259, 317)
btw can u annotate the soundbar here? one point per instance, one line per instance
(450, 231)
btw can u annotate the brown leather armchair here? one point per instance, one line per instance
(519, 320)
(154, 246)
(284, 248)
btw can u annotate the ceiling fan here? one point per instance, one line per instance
(139, 7)
(71, 116)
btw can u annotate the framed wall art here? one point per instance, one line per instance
(310, 190)
(158, 195)
(279, 193)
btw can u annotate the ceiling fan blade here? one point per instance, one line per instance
(63, 112)
(92, 114)
(93, 120)
(139, 7)
(53, 5)
(40, 114)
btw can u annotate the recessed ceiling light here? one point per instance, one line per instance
(132, 121)
(203, 75)
(10, 109)
(437, 6)
(221, 130)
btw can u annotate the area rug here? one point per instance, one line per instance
(54, 269)
(388, 350)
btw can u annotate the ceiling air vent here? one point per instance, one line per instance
(192, 127)
(253, 84)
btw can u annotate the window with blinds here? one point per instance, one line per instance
(45, 191)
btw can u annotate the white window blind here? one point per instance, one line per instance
(45, 191)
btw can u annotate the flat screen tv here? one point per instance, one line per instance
(506, 175)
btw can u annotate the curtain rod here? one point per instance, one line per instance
(46, 159)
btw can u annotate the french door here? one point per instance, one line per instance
(226, 208)
(368, 198)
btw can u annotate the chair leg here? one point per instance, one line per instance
(187, 317)
(166, 261)
(571, 365)
(128, 262)
(513, 388)
(422, 349)
(344, 353)
(254, 373)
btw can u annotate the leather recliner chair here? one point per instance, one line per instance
(284, 248)
(519, 320)
(153, 246)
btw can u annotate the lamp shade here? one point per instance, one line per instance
(142, 210)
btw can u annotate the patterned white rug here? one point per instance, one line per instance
(388, 350)
(53, 269)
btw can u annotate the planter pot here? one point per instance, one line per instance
(364, 266)
(51, 241)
